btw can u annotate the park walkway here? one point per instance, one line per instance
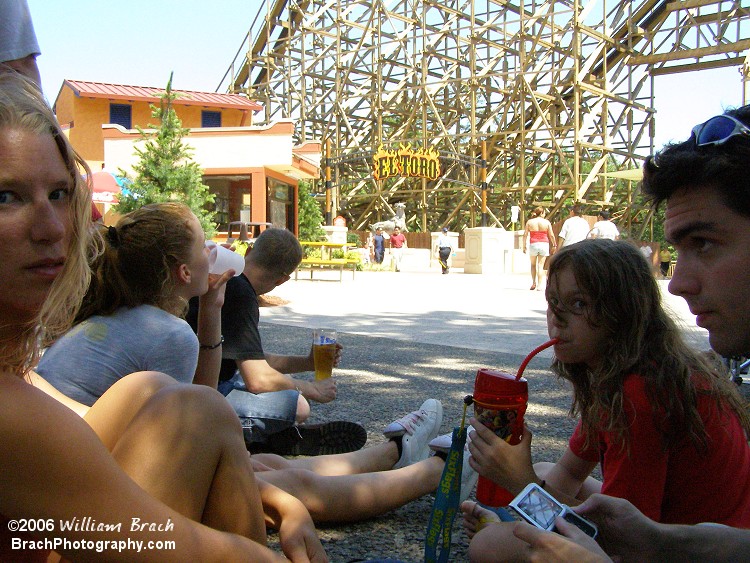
(493, 312)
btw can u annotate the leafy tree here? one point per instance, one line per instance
(166, 170)
(310, 216)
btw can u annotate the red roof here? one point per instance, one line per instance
(148, 94)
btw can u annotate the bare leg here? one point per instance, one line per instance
(492, 540)
(540, 273)
(184, 446)
(533, 260)
(350, 498)
(114, 410)
(496, 542)
(380, 457)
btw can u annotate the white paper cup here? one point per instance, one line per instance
(221, 259)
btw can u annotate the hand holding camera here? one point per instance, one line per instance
(537, 507)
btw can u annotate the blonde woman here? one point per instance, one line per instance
(135, 455)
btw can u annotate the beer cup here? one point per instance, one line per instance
(324, 352)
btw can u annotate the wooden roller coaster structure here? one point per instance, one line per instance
(519, 102)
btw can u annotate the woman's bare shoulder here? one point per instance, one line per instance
(24, 406)
(14, 389)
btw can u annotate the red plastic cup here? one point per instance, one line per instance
(500, 402)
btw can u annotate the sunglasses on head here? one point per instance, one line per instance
(718, 130)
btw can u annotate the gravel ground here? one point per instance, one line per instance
(381, 379)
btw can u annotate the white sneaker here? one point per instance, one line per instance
(417, 429)
(469, 476)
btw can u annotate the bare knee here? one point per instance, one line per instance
(144, 384)
(303, 409)
(196, 405)
(297, 482)
(303, 484)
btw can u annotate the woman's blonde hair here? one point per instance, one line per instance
(22, 107)
(537, 212)
(139, 261)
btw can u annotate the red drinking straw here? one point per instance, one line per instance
(533, 353)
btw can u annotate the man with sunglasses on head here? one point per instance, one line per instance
(705, 184)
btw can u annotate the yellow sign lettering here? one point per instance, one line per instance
(406, 162)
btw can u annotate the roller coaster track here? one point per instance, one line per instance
(560, 92)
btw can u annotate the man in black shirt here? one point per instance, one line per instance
(267, 399)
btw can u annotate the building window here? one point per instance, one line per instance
(210, 119)
(121, 114)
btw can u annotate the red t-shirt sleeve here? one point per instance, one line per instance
(638, 475)
(576, 444)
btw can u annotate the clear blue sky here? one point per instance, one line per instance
(140, 41)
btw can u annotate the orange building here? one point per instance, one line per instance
(253, 171)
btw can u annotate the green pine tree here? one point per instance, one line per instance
(166, 170)
(310, 216)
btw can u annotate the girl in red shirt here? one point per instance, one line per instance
(665, 423)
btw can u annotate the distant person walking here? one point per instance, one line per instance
(370, 247)
(398, 243)
(538, 238)
(604, 228)
(574, 229)
(378, 242)
(665, 260)
(444, 249)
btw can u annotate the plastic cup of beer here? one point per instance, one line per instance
(324, 351)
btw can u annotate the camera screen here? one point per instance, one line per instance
(540, 508)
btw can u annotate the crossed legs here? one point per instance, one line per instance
(357, 488)
(182, 444)
(363, 484)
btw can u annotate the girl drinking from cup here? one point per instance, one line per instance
(667, 427)
(151, 264)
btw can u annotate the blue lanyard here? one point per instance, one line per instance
(440, 526)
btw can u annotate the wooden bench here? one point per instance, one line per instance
(313, 263)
